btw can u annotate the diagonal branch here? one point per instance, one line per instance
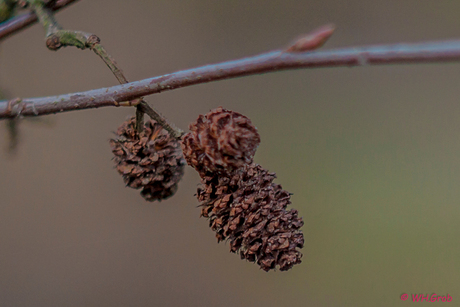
(427, 52)
(20, 22)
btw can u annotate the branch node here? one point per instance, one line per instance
(63, 38)
(53, 42)
(92, 40)
(15, 107)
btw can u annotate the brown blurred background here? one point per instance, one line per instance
(372, 155)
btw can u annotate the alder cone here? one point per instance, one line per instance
(151, 161)
(220, 141)
(249, 210)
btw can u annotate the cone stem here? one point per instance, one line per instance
(57, 37)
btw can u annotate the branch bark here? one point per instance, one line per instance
(20, 22)
(427, 52)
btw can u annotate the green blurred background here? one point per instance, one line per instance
(370, 153)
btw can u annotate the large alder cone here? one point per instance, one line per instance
(151, 161)
(238, 197)
(220, 141)
(249, 210)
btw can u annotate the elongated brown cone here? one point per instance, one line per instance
(249, 210)
(239, 198)
(220, 141)
(151, 161)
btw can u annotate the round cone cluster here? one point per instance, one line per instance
(151, 161)
(241, 201)
(220, 141)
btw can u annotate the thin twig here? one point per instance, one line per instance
(13, 135)
(110, 62)
(427, 52)
(45, 17)
(156, 116)
(56, 38)
(21, 22)
(139, 120)
(141, 105)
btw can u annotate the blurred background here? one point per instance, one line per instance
(371, 155)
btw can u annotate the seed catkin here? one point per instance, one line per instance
(151, 161)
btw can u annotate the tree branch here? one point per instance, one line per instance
(428, 52)
(57, 37)
(20, 22)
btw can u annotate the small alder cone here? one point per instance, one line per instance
(249, 210)
(220, 141)
(151, 161)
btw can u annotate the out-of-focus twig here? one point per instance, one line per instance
(22, 21)
(7, 8)
(13, 135)
(12, 131)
